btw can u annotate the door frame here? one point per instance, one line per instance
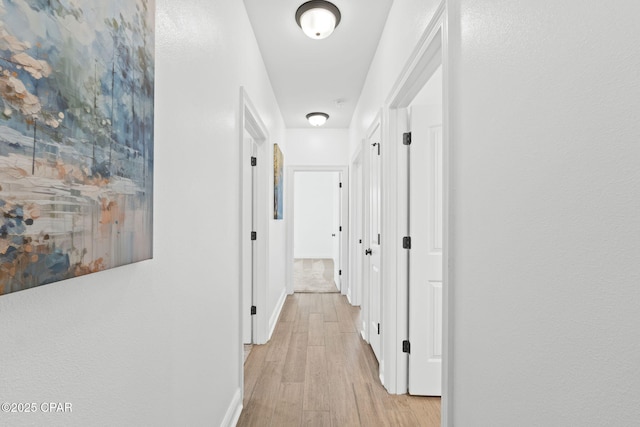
(430, 52)
(250, 121)
(344, 219)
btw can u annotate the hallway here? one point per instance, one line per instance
(528, 162)
(317, 370)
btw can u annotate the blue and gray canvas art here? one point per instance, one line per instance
(76, 138)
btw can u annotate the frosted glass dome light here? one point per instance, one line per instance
(318, 18)
(318, 23)
(317, 119)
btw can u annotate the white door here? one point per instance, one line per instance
(374, 240)
(337, 225)
(357, 243)
(425, 255)
(254, 243)
(249, 224)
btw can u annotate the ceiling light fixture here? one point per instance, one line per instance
(318, 18)
(317, 119)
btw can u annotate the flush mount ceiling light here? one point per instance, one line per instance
(318, 18)
(317, 119)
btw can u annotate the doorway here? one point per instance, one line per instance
(317, 229)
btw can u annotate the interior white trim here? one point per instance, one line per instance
(234, 410)
(420, 66)
(428, 54)
(290, 214)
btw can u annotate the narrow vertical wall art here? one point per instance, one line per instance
(278, 163)
(76, 138)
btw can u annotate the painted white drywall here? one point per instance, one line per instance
(405, 25)
(545, 212)
(431, 93)
(314, 209)
(317, 147)
(157, 343)
(276, 291)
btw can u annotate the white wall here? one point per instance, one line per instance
(317, 147)
(157, 343)
(336, 221)
(314, 207)
(431, 93)
(276, 291)
(405, 25)
(545, 212)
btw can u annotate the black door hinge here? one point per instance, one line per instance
(378, 238)
(339, 272)
(254, 310)
(254, 161)
(406, 138)
(340, 228)
(378, 328)
(340, 185)
(406, 346)
(360, 241)
(254, 235)
(406, 242)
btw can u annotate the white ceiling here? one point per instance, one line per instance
(312, 75)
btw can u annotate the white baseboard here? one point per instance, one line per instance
(363, 334)
(345, 289)
(234, 411)
(276, 313)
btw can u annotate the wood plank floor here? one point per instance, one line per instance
(317, 371)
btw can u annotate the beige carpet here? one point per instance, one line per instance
(247, 350)
(313, 275)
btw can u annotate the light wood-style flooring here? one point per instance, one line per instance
(317, 371)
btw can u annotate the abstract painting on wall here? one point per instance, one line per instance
(278, 163)
(76, 138)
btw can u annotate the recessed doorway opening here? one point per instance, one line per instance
(317, 234)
